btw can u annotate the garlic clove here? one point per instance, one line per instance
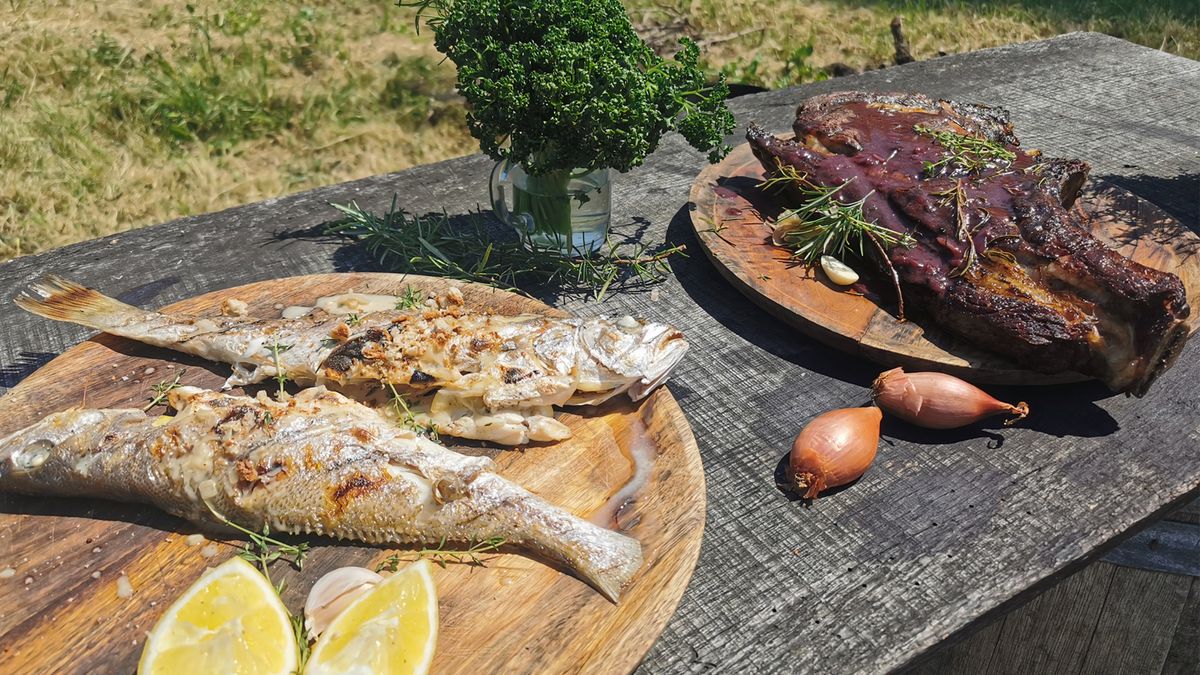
(333, 593)
(786, 224)
(838, 271)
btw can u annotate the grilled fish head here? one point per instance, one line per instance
(624, 355)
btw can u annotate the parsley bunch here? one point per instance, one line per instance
(563, 84)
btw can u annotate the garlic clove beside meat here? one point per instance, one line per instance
(788, 222)
(332, 594)
(838, 271)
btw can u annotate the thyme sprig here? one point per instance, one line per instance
(163, 389)
(463, 248)
(412, 299)
(969, 153)
(441, 556)
(956, 197)
(261, 550)
(405, 416)
(281, 377)
(825, 225)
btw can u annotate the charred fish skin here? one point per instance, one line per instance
(316, 464)
(1029, 281)
(477, 362)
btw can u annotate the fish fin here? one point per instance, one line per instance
(63, 300)
(613, 560)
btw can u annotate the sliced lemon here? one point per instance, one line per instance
(230, 621)
(389, 630)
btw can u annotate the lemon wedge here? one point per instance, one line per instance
(230, 621)
(389, 630)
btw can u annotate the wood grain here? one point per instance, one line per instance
(730, 215)
(515, 616)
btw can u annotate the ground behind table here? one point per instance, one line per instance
(946, 528)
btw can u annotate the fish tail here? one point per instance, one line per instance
(63, 300)
(609, 559)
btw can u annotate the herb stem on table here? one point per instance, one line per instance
(464, 249)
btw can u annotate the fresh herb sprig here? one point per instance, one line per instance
(281, 377)
(405, 416)
(956, 198)
(969, 153)
(163, 389)
(412, 299)
(262, 550)
(464, 249)
(441, 556)
(826, 226)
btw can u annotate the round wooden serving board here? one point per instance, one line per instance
(59, 609)
(728, 213)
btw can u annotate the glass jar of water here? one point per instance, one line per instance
(568, 210)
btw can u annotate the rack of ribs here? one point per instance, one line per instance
(1000, 257)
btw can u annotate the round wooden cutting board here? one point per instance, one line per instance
(728, 213)
(59, 608)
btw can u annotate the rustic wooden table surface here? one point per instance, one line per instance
(947, 528)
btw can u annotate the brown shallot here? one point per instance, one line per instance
(938, 400)
(834, 449)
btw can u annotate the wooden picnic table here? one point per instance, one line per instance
(947, 528)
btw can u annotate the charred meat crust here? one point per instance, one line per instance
(1042, 290)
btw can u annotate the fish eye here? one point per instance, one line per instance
(33, 455)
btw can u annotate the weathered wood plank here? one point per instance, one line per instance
(1103, 620)
(1134, 632)
(946, 527)
(1183, 658)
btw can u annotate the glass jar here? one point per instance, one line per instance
(568, 210)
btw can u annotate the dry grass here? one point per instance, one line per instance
(123, 113)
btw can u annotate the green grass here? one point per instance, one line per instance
(123, 113)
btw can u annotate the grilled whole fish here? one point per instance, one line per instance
(318, 463)
(508, 369)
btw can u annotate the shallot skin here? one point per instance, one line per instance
(834, 449)
(937, 400)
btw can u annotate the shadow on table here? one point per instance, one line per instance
(353, 255)
(723, 302)
(1179, 195)
(11, 374)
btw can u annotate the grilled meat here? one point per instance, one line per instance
(1000, 259)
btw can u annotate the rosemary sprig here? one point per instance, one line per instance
(281, 378)
(405, 415)
(463, 248)
(827, 226)
(412, 299)
(162, 389)
(969, 153)
(441, 556)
